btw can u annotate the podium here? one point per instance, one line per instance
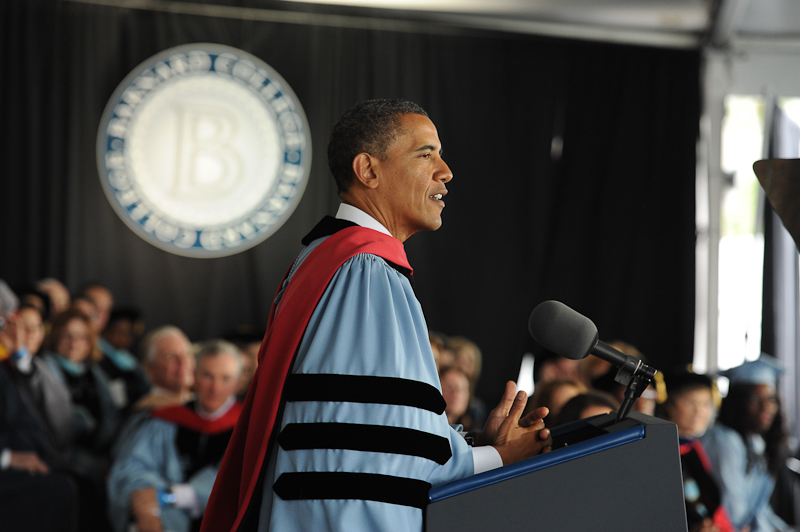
(601, 476)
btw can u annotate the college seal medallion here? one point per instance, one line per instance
(204, 150)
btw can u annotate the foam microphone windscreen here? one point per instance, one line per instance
(561, 330)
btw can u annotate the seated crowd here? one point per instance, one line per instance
(734, 467)
(94, 438)
(108, 441)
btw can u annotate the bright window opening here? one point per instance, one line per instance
(741, 247)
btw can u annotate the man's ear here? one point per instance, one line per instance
(364, 170)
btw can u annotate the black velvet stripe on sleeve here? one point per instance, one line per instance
(361, 486)
(369, 438)
(363, 389)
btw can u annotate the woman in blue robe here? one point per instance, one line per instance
(747, 445)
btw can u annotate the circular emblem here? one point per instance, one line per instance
(204, 150)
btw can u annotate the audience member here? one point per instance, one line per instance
(9, 303)
(554, 395)
(103, 302)
(127, 381)
(31, 322)
(33, 496)
(125, 326)
(747, 445)
(72, 353)
(690, 405)
(646, 403)
(442, 355)
(30, 296)
(87, 306)
(468, 357)
(249, 343)
(59, 296)
(39, 386)
(591, 368)
(457, 395)
(588, 404)
(169, 363)
(549, 366)
(163, 476)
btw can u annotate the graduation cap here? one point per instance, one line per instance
(780, 179)
(765, 370)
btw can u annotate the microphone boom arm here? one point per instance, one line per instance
(634, 374)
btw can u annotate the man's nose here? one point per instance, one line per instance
(445, 174)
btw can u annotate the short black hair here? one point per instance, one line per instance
(369, 127)
(572, 409)
(125, 314)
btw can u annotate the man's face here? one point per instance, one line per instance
(411, 177)
(216, 379)
(173, 367)
(120, 334)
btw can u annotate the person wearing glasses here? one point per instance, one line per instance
(747, 445)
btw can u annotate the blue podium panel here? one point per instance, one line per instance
(604, 476)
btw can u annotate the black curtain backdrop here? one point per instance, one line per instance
(574, 169)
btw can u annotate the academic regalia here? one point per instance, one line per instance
(30, 503)
(48, 400)
(362, 435)
(739, 463)
(746, 491)
(96, 418)
(702, 495)
(175, 445)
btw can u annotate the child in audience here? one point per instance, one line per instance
(690, 405)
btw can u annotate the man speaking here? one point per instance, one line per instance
(344, 427)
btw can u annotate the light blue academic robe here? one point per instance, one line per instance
(151, 459)
(368, 323)
(745, 494)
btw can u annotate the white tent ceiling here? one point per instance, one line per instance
(672, 23)
(679, 22)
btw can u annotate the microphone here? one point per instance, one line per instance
(572, 335)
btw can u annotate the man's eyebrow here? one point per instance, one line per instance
(428, 147)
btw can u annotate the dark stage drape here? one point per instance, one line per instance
(574, 168)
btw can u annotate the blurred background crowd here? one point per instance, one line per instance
(110, 425)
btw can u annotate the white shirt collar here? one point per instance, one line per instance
(356, 215)
(221, 411)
